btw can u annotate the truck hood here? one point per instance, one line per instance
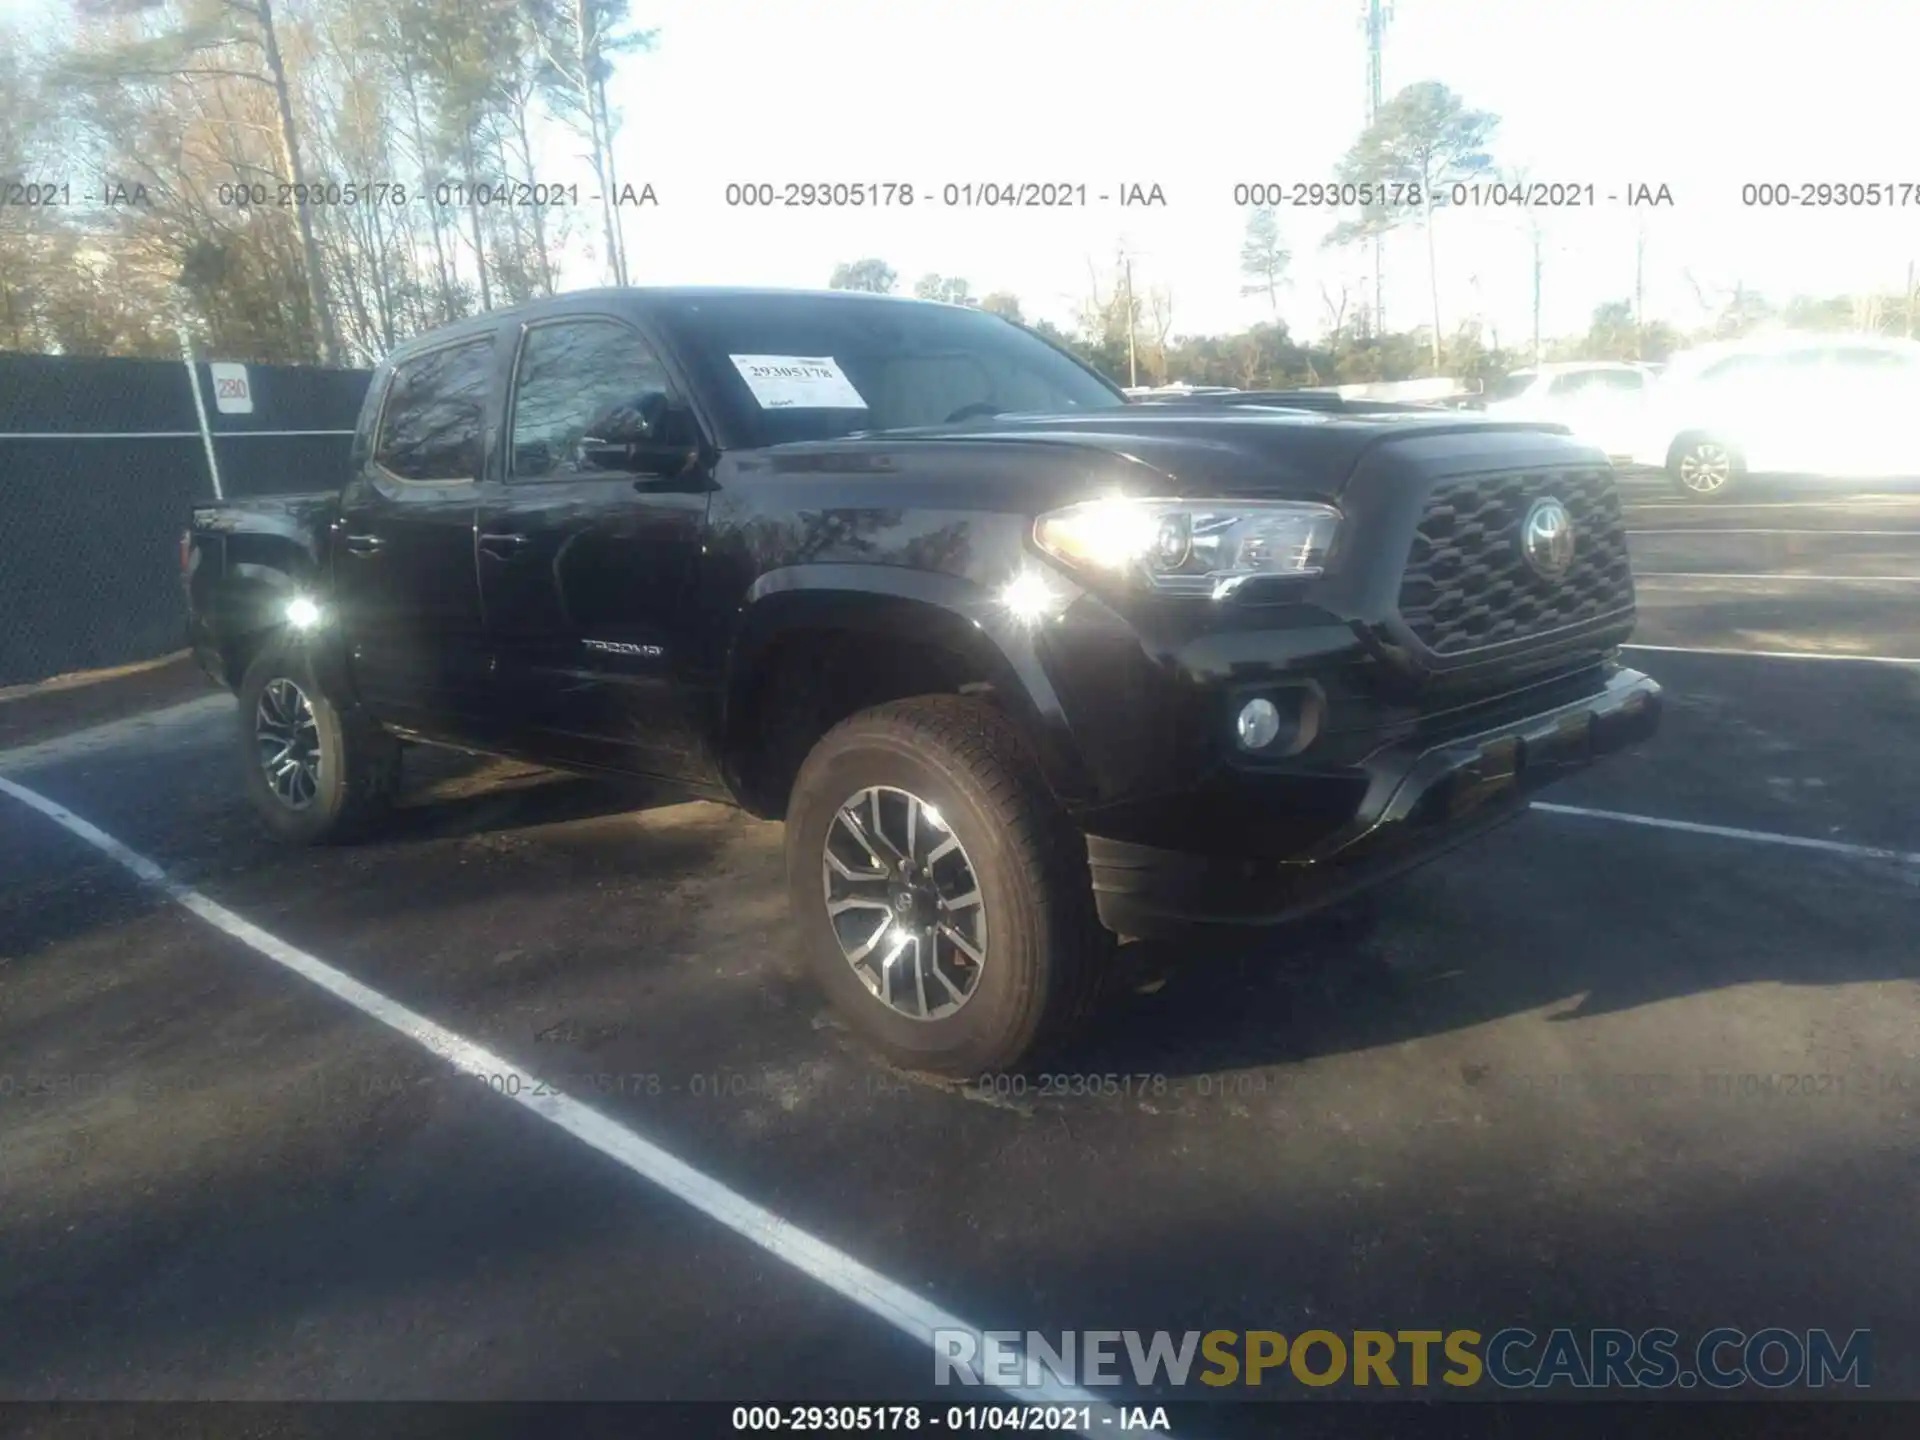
(1272, 452)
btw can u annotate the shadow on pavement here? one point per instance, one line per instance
(1635, 921)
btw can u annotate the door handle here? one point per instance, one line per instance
(363, 544)
(502, 545)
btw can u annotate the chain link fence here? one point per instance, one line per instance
(101, 461)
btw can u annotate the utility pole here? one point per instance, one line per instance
(1133, 367)
(1639, 291)
(1379, 12)
(1537, 258)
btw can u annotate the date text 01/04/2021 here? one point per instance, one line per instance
(962, 1419)
(1467, 194)
(960, 195)
(243, 195)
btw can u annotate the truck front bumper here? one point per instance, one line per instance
(1418, 802)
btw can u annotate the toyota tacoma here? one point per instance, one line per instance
(1024, 667)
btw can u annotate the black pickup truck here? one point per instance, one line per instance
(1024, 667)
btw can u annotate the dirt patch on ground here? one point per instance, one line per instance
(29, 713)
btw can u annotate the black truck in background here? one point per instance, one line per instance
(1023, 667)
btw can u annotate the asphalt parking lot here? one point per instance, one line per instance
(1591, 1071)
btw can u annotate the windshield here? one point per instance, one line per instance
(911, 365)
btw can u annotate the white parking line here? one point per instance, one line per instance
(1731, 832)
(1735, 530)
(869, 1289)
(1869, 502)
(1640, 575)
(1776, 654)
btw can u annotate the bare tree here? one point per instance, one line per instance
(1159, 318)
(583, 37)
(1336, 311)
(1424, 140)
(1263, 258)
(222, 40)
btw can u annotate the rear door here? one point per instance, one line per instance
(1751, 400)
(587, 557)
(404, 554)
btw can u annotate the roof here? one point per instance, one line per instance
(643, 296)
(1777, 341)
(1573, 367)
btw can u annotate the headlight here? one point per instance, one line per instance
(1190, 547)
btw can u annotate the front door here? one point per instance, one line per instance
(404, 576)
(587, 560)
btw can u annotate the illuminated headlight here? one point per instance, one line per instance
(1257, 724)
(1191, 547)
(302, 613)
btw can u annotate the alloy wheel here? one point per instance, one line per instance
(287, 739)
(1706, 467)
(904, 901)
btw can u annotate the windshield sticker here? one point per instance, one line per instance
(797, 382)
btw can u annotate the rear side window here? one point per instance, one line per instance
(435, 414)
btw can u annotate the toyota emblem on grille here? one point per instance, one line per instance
(1546, 538)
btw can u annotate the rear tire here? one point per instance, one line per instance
(1704, 466)
(316, 774)
(945, 805)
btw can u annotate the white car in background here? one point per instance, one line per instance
(1601, 401)
(1836, 407)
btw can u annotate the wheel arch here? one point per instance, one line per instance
(816, 643)
(251, 616)
(1694, 434)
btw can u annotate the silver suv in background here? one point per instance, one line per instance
(1837, 407)
(1601, 401)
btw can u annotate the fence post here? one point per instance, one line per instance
(200, 409)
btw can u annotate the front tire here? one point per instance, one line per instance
(941, 894)
(316, 774)
(1704, 467)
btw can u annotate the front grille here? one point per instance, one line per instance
(1467, 586)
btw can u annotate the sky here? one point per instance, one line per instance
(1702, 96)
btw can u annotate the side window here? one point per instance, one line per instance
(571, 376)
(1582, 382)
(435, 414)
(1864, 361)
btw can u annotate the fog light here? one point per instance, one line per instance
(1257, 724)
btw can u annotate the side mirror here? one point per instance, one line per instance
(634, 421)
(640, 436)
